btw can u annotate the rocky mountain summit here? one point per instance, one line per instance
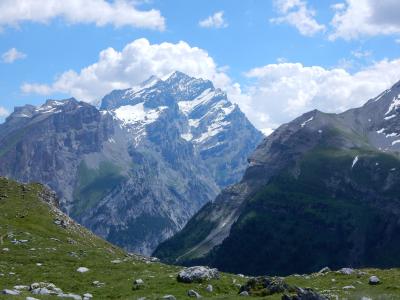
(321, 190)
(135, 170)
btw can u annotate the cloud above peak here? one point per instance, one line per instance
(275, 94)
(136, 62)
(99, 12)
(281, 92)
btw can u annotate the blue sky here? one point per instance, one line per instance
(272, 49)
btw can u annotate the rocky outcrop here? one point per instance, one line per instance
(197, 274)
(267, 286)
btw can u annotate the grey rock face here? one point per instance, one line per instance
(137, 169)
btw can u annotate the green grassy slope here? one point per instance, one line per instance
(93, 185)
(61, 250)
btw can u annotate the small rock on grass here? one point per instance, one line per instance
(138, 284)
(97, 283)
(21, 287)
(346, 271)
(82, 270)
(169, 297)
(193, 293)
(209, 288)
(139, 281)
(116, 261)
(305, 294)
(374, 280)
(324, 270)
(349, 287)
(10, 292)
(70, 296)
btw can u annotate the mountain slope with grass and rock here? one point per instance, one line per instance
(322, 190)
(44, 254)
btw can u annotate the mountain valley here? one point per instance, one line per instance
(135, 170)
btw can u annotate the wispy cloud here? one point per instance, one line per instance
(298, 14)
(215, 21)
(12, 55)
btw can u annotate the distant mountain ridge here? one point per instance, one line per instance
(135, 170)
(322, 190)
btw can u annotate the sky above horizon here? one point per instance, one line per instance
(276, 58)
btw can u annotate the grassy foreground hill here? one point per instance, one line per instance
(38, 243)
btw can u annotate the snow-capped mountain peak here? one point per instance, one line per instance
(204, 112)
(204, 116)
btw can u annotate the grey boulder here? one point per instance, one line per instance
(374, 280)
(197, 274)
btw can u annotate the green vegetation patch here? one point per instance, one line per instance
(93, 184)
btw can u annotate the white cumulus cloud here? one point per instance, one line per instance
(283, 91)
(136, 62)
(100, 12)
(297, 13)
(12, 55)
(359, 18)
(215, 21)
